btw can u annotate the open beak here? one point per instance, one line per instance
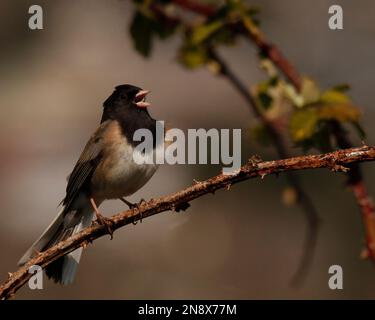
(140, 99)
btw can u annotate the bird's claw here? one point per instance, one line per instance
(134, 206)
(140, 219)
(107, 223)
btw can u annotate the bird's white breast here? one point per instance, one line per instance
(118, 174)
(124, 177)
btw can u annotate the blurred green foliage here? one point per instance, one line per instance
(307, 113)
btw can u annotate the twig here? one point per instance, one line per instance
(303, 199)
(356, 182)
(197, 7)
(337, 159)
(266, 48)
(355, 179)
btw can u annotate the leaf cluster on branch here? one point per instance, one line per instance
(292, 109)
(308, 111)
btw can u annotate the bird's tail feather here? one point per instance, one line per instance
(44, 239)
(63, 226)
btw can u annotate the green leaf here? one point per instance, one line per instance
(294, 97)
(192, 56)
(319, 140)
(334, 96)
(341, 87)
(310, 91)
(303, 124)
(265, 99)
(141, 31)
(340, 112)
(203, 32)
(337, 106)
(163, 29)
(274, 81)
(263, 86)
(223, 36)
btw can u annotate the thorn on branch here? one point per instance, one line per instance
(135, 221)
(339, 168)
(254, 160)
(196, 182)
(85, 244)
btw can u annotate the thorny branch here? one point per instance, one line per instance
(335, 161)
(303, 198)
(355, 178)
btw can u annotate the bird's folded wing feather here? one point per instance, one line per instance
(85, 165)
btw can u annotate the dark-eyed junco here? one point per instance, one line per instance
(105, 170)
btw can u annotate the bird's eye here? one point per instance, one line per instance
(124, 97)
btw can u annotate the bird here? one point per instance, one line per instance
(105, 170)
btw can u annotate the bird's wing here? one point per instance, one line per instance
(85, 165)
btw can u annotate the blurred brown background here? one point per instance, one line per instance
(239, 244)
